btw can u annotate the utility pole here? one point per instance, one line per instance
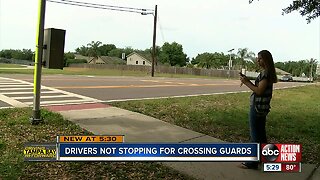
(230, 62)
(124, 9)
(154, 40)
(311, 70)
(36, 117)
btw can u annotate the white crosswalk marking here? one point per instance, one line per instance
(44, 97)
(15, 85)
(45, 92)
(12, 102)
(18, 93)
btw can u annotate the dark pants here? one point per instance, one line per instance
(257, 123)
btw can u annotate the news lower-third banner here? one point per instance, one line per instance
(157, 152)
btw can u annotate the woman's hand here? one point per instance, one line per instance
(244, 80)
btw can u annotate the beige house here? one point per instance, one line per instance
(96, 60)
(137, 59)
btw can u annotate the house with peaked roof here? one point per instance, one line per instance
(106, 60)
(281, 72)
(78, 56)
(101, 59)
(138, 59)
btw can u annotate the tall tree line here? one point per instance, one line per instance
(242, 59)
(298, 68)
(24, 54)
(169, 53)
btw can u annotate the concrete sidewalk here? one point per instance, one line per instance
(103, 119)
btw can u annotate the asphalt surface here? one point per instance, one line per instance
(65, 88)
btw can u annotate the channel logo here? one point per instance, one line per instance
(281, 152)
(270, 152)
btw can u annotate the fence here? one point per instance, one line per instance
(163, 69)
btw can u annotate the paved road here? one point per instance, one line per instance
(16, 90)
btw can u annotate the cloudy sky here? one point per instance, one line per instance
(199, 26)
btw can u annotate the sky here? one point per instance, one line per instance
(199, 26)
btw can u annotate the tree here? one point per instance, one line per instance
(25, 54)
(6, 53)
(172, 54)
(194, 61)
(127, 51)
(206, 60)
(308, 8)
(67, 56)
(93, 50)
(244, 53)
(280, 65)
(115, 53)
(211, 60)
(83, 50)
(106, 48)
(298, 68)
(313, 64)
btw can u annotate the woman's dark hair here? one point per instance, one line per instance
(268, 61)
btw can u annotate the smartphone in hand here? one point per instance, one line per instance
(242, 75)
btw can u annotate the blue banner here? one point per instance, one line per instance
(158, 152)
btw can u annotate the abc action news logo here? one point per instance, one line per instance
(281, 153)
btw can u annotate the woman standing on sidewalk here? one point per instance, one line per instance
(260, 100)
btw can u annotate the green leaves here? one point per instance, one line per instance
(173, 54)
(25, 54)
(211, 60)
(308, 8)
(298, 68)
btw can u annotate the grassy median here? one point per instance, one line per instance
(4, 65)
(294, 117)
(15, 130)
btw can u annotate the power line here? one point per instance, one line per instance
(101, 6)
(163, 40)
(96, 7)
(120, 7)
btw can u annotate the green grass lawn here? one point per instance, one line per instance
(15, 130)
(294, 117)
(4, 65)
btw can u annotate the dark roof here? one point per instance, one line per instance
(280, 71)
(112, 60)
(78, 56)
(106, 59)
